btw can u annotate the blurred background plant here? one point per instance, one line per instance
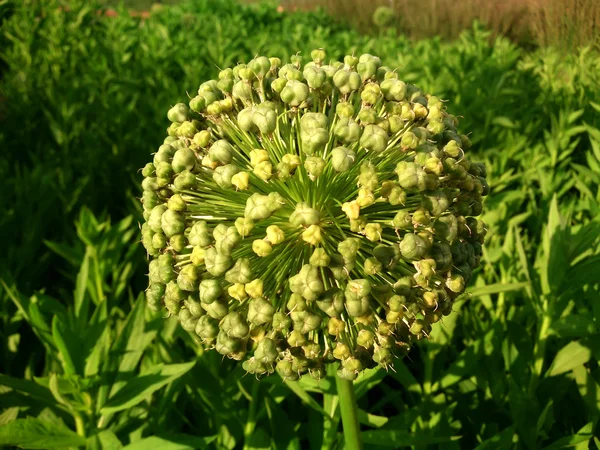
(83, 101)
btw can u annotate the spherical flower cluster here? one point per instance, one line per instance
(298, 215)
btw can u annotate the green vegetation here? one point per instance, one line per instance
(83, 362)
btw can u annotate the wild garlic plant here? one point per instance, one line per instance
(304, 214)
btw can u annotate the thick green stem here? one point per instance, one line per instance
(349, 410)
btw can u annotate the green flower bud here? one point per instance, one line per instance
(187, 129)
(226, 345)
(178, 113)
(227, 242)
(262, 206)
(393, 89)
(255, 288)
(341, 351)
(245, 119)
(319, 258)
(342, 159)
(275, 235)
(314, 140)
(184, 159)
(148, 170)
(349, 247)
(346, 81)
(307, 283)
(410, 175)
(187, 280)
(265, 118)
(365, 197)
(154, 296)
(373, 266)
(178, 243)
(242, 90)
(185, 181)
(164, 170)
(304, 215)
(368, 176)
(373, 231)
(260, 66)
(263, 170)
(315, 77)
(176, 203)
(223, 175)
(240, 181)
(374, 138)
(199, 234)
(332, 304)
(237, 291)
(159, 241)
(352, 210)
(314, 165)
(266, 351)
(243, 226)
(261, 248)
(294, 93)
(221, 151)
(234, 325)
(240, 272)
(368, 116)
(172, 222)
(260, 312)
(174, 296)
(154, 221)
(217, 309)
(306, 321)
(345, 110)
(347, 130)
(207, 328)
(357, 289)
(413, 247)
(365, 338)
(279, 84)
(216, 263)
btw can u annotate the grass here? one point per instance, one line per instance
(84, 364)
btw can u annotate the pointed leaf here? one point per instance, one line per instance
(36, 434)
(570, 356)
(140, 388)
(171, 442)
(398, 438)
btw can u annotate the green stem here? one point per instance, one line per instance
(349, 410)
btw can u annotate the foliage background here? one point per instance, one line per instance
(83, 101)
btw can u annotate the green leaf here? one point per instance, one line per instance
(69, 347)
(105, 440)
(143, 386)
(574, 325)
(398, 439)
(588, 389)
(171, 442)
(583, 435)
(570, 356)
(36, 434)
(29, 388)
(367, 380)
(371, 419)
(496, 288)
(500, 441)
(297, 389)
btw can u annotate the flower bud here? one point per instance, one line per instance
(260, 312)
(412, 247)
(221, 151)
(261, 248)
(304, 215)
(319, 258)
(275, 235)
(352, 209)
(240, 180)
(185, 181)
(178, 113)
(223, 175)
(172, 222)
(154, 220)
(294, 93)
(373, 232)
(307, 283)
(314, 165)
(240, 272)
(342, 159)
(216, 263)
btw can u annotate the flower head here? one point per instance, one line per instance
(302, 214)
